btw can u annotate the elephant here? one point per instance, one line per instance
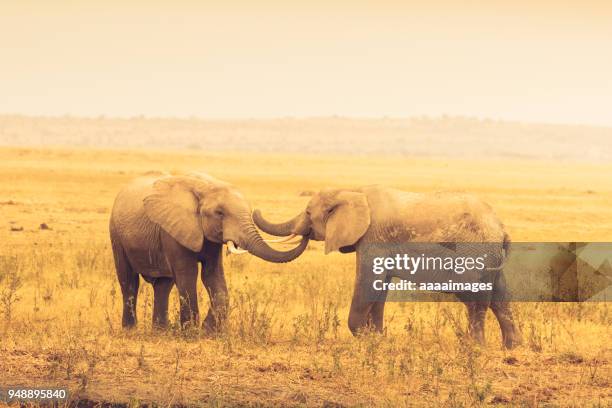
(352, 220)
(162, 226)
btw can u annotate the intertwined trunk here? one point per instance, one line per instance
(254, 243)
(282, 229)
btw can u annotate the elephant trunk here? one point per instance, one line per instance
(254, 243)
(282, 229)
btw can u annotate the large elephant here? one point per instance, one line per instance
(162, 227)
(352, 220)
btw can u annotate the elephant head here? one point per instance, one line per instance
(195, 207)
(338, 217)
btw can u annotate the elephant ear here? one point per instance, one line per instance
(173, 205)
(348, 221)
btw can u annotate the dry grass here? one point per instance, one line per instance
(287, 342)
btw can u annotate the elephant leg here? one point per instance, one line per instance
(129, 282)
(184, 266)
(186, 278)
(477, 312)
(161, 290)
(511, 335)
(377, 312)
(213, 278)
(361, 313)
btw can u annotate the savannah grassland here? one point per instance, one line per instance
(287, 342)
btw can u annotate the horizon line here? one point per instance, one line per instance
(305, 118)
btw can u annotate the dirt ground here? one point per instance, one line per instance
(287, 343)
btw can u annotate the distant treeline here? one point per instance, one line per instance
(444, 136)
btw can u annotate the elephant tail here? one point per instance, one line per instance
(505, 253)
(506, 245)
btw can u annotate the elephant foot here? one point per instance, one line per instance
(160, 326)
(512, 340)
(213, 325)
(209, 329)
(365, 329)
(128, 323)
(478, 338)
(189, 319)
(476, 333)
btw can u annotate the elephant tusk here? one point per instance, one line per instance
(295, 241)
(232, 248)
(279, 240)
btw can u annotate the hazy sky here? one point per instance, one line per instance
(512, 60)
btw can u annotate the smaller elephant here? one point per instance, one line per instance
(354, 220)
(161, 228)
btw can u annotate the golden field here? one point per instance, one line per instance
(287, 342)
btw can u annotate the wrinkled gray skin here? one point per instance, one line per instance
(349, 220)
(162, 227)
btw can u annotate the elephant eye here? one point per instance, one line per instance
(219, 213)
